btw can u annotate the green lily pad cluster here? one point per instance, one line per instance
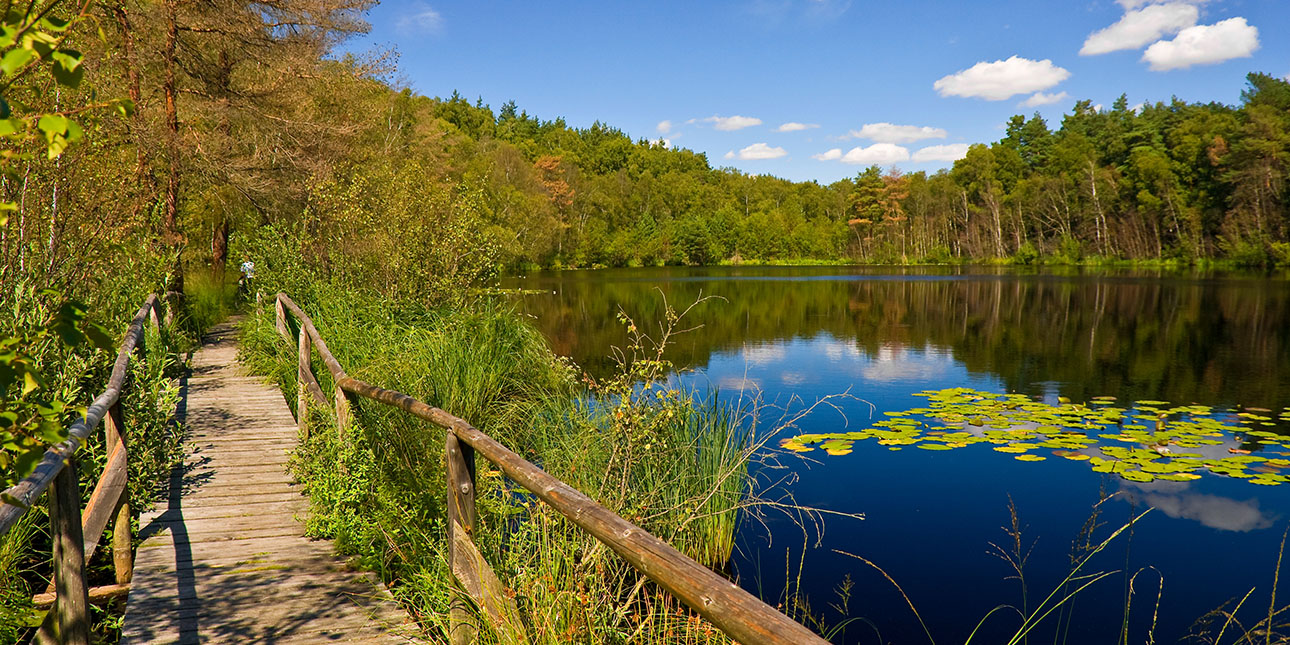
(1147, 441)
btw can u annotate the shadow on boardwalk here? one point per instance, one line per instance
(223, 558)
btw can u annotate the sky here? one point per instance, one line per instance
(821, 89)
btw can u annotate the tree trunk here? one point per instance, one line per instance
(143, 178)
(219, 245)
(170, 216)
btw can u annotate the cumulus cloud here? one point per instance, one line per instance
(1039, 98)
(729, 123)
(422, 18)
(829, 155)
(1138, 28)
(891, 133)
(1204, 45)
(950, 152)
(757, 151)
(878, 153)
(664, 126)
(793, 126)
(662, 141)
(1002, 79)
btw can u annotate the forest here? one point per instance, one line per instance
(177, 128)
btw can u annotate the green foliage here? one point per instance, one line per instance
(31, 40)
(31, 419)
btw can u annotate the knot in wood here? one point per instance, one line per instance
(465, 488)
(707, 600)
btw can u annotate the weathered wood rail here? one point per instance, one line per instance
(76, 532)
(723, 603)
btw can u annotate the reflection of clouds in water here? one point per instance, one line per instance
(897, 363)
(793, 378)
(765, 353)
(1223, 513)
(738, 383)
(836, 350)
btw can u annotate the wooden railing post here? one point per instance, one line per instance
(303, 369)
(460, 460)
(122, 548)
(70, 624)
(280, 318)
(343, 413)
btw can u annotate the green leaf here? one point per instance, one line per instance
(15, 59)
(99, 337)
(124, 107)
(74, 131)
(27, 460)
(56, 24)
(30, 382)
(13, 501)
(68, 77)
(57, 144)
(52, 124)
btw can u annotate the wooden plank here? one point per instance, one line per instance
(481, 584)
(105, 501)
(461, 530)
(225, 559)
(122, 540)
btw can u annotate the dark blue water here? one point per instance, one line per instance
(932, 519)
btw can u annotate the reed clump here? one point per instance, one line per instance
(673, 461)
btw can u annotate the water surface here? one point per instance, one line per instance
(796, 335)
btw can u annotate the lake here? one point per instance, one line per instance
(932, 517)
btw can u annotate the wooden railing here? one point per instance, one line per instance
(76, 533)
(723, 603)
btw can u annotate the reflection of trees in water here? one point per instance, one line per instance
(1211, 342)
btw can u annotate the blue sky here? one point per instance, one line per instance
(907, 83)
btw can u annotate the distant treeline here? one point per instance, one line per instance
(1169, 181)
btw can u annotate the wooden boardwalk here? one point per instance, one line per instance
(225, 559)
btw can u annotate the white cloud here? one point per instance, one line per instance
(891, 133)
(757, 151)
(662, 141)
(421, 18)
(1138, 28)
(664, 126)
(793, 126)
(829, 155)
(1039, 98)
(729, 123)
(950, 152)
(1130, 5)
(1204, 45)
(878, 153)
(1002, 79)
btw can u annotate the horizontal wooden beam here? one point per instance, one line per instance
(98, 595)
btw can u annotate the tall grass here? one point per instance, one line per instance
(17, 615)
(210, 295)
(672, 461)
